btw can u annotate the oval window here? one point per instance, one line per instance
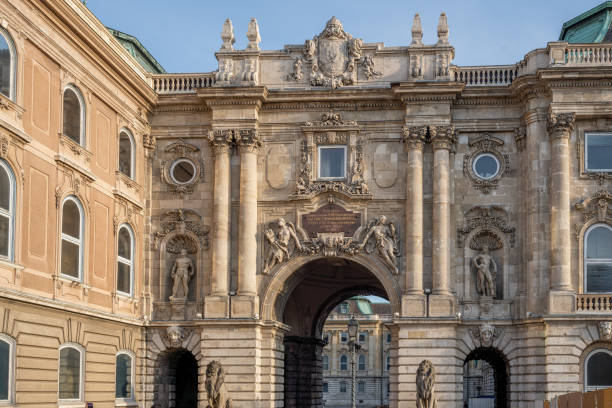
(486, 166)
(183, 171)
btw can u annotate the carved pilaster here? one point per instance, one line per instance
(560, 125)
(442, 137)
(414, 137)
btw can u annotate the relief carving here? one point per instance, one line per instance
(384, 239)
(181, 273)
(425, 384)
(485, 334)
(490, 145)
(181, 221)
(487, 219)
(278, 243)
(605, 330)
(297, 74)
(175, 336)
(597, 208)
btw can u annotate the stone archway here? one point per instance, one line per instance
(485, 382)
(302, 302)
(176, 379)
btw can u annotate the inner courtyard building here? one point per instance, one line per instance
(180, 240)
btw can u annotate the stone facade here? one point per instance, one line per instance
(286, 182)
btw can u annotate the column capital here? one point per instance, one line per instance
(248, 140)
(560, 125)
(414, 137)
(442, 137)
(221, 140)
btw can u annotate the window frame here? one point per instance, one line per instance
(585, 259)
(586, 152)
(361, 387)
(13, 64)
(325, 387)
(365, 337)
(388, 363)
(131, 263)
(344, 337)
(365, 362)
(11, 212)
(80, 243)
(82, 114)
(319, 161)
(81, 398)
(132, 357)
(325, 359)
(12, 364)
(130, 137)
(586, 368)
(183, 160)
(486, 154)
(342, 385)
(340, 363)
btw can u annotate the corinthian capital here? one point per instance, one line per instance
(414, 137)
(221, 140)
(560, 125)
(442, 137)
(248, 140)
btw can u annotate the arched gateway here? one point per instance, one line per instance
(310, 290)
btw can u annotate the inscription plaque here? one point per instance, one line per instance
(331, 218)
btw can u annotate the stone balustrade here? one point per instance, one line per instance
(594, 303)
(494, 75)
(588, 54)
(181, 83)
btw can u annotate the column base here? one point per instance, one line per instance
(561, 301)
(414, 305)
(216, 307)
(441, 305)
(245, 306)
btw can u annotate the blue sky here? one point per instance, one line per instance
(184, 34)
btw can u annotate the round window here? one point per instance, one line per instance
(183, 171)
(486, 166)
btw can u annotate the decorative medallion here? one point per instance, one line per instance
(185, 168)
(485, 164)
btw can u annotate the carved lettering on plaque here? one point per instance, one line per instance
(331, 218)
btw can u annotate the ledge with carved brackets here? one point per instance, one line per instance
(67, 288)
(490, 145)
(128, 189)
(75, 156)
(11, 113)
(124, 303)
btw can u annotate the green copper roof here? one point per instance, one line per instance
(592, 26)
(138, 51)
(364, 305)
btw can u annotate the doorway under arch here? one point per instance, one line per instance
(485, 379)
(176, 382)
(310, 295)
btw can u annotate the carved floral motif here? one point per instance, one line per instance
(181, 221)
(489, 220)
(598, 208)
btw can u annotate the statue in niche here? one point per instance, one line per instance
(216, 392)
(279, 242)
(486, 268)
(425, 381)
(181, 273)
(385, 239)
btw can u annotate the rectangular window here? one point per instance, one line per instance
(361, 386)
(598, 152)
(599, 277)
(5, 370)
(343, 337)
(362, 337)
(325, 387)
(342, 386)
(332, 162)
(344, 308)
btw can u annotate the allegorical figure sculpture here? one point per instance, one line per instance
(385, 238)
(486, 268)
(425, 381)
(216, 393)
(182, 271)
(278, 241)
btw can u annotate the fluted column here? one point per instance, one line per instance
(220, 141)
(248, 142)
(442, 139)
(559, 129)
(414, 139)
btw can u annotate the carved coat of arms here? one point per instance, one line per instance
(333, 55)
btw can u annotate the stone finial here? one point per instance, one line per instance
(227, 35)
(253, 35)
(417, 31)
(442, 30)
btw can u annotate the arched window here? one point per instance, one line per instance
(125, 259)
(72, 238)
(325, 362)
(71, 372)
(362, 362)
(7, 369)
(7, 211)
(343, 363)
(74, 115)
(8, 65)
(597, 373)
(126, 153)
(598, 258)
(124, 375)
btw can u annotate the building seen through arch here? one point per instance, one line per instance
(201, 238)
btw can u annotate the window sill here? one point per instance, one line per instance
(125, 402)
(70, 404)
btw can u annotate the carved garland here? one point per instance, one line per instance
(181, 221)
(188, 152)
(491, 145)
(488, 220)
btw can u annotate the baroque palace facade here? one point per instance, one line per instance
(151, 223)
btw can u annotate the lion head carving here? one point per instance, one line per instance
(215, 386)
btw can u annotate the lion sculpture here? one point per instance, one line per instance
(215, 386)
(425, 379)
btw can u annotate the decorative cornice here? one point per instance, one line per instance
(560, 125)
(414, 137)
(442, 137)
(345, 106)
(331, 119)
